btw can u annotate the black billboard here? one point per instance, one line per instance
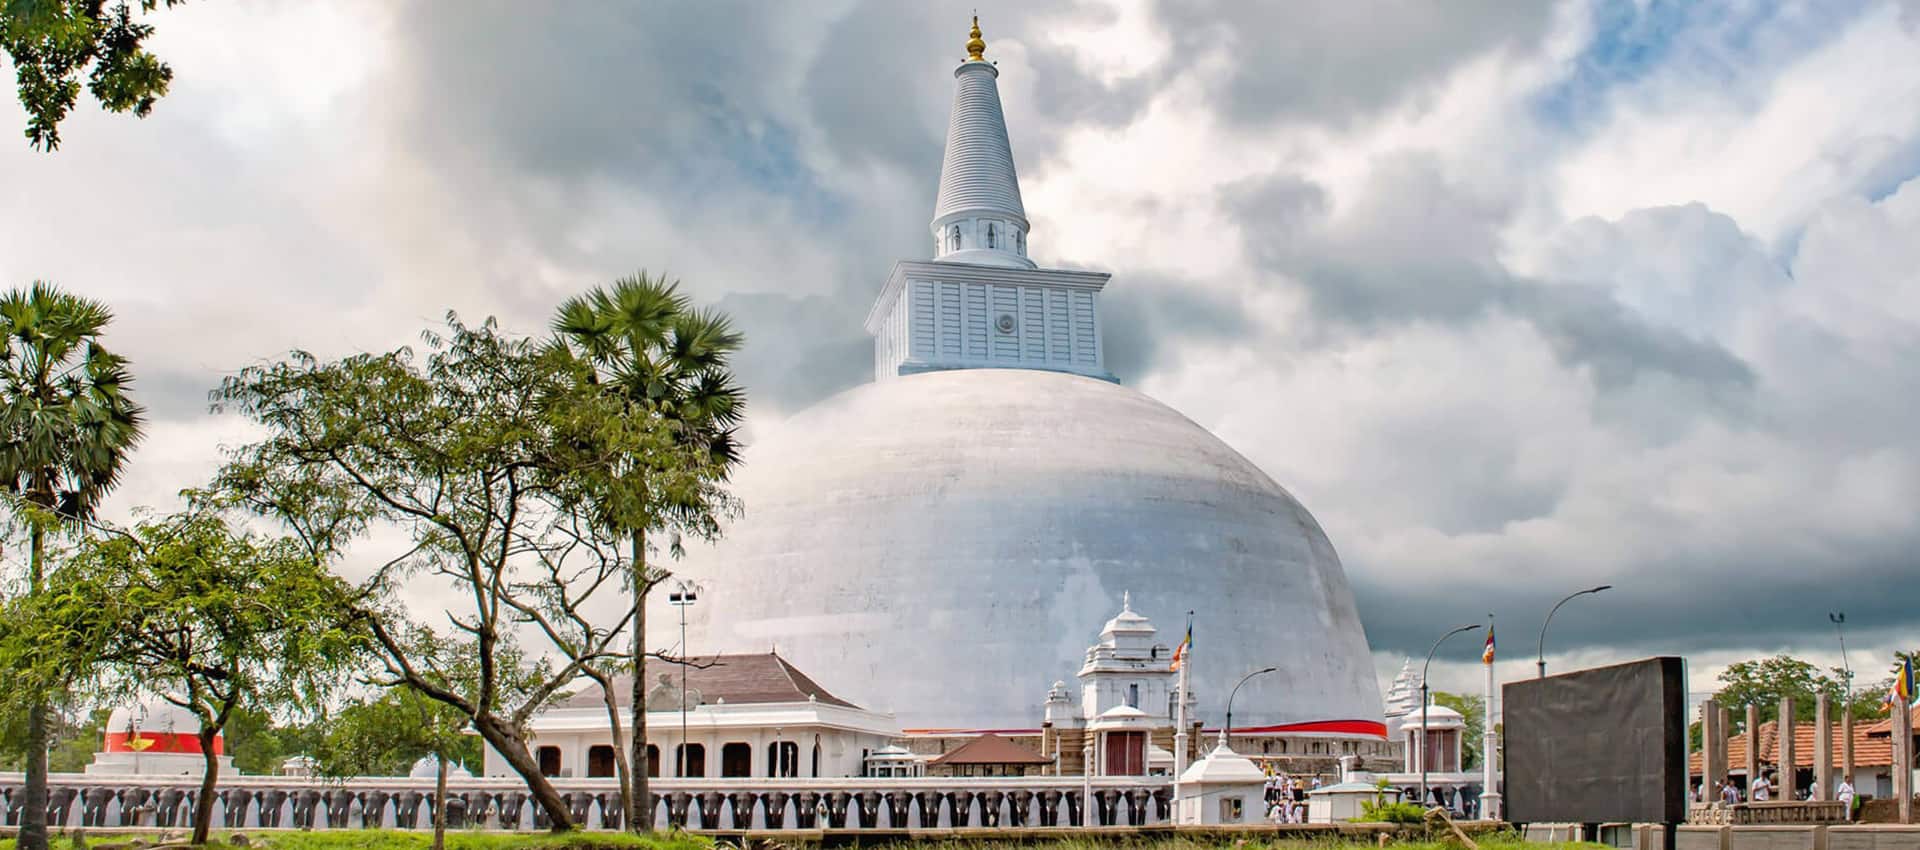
(1606, 745)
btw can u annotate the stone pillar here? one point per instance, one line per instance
(1753, 744)
(1785, 787)
(1903, 758)
(1846, 742)
(1822, 748)
(1713, 750)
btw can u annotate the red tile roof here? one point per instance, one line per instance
(736, 679)
(991, 749)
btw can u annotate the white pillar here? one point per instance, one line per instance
(1180, 727)
(1489, 746)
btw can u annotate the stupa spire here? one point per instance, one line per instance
(978, 216)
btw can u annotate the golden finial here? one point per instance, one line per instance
(976, 46)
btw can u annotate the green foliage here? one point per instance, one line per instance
(472, 456)
(1764, 681)
(191, 610)
(1397, 812)
(54, 42)
(384, 735)
(259, 745)
(665, 365)
(1473, 737)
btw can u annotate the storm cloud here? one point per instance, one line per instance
(1516, 298)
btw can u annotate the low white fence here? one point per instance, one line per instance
(248, 802)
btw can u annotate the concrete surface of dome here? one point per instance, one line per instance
(942, 546)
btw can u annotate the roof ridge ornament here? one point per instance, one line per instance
(976, 46)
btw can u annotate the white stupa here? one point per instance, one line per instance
(934, 543)
(156, 738)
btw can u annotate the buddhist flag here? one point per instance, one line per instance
(1180, 652)
(1486, 655)
(1903, 683)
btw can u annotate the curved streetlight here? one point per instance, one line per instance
(1541, 658)
(1228, 729)
(683, 596)
(1423, 706)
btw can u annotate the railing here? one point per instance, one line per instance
(246, 802)
(1784, 812)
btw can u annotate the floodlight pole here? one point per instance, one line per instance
(1542, 657)
(1839, 620)
(1423, 706)
(680, 598)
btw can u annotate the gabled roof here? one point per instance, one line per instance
(991, 749)
(734, 679)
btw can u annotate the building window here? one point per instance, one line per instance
(816, 756)
(600, 760)
(549, 761)
(993, 236)
(653, 761)
(783, 759)
(691, 759)
(736, 759)
(1133, 695)
(1020, 241)
(953, 238)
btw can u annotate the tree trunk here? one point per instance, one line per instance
(507, 743)
(620, 767)
(440, 803)
(33, 817)
(640, 814)
(203, 807)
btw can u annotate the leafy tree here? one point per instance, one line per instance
(1764, 681)
(67, 424)
(260, 745)
(1472, 739)
(53, 42)
(192, 611)
(386, 734)
(465, 456)
(642, 344)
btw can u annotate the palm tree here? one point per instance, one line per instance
(67, 425)
(642, 342)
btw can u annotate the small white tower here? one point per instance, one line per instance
(1126, 692)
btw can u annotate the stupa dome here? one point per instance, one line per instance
(155, 726)
(941, 545)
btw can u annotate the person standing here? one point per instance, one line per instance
(1762, 789)
(1729, 794)
(1845, 795)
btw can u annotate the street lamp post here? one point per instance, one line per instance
(1227, 730)
(681, 597)
(1839, 620)
(1423, 706)
(1542, 657)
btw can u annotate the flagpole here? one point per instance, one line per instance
(1180, 720)
(1489, 743)
(1903, 741)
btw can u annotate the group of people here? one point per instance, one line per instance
(1764, 790)
(1287, 798)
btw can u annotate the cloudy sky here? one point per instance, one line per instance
(1517, 297)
